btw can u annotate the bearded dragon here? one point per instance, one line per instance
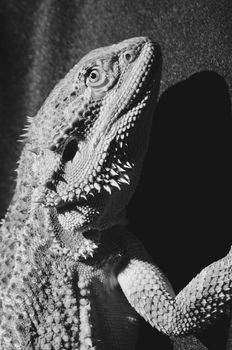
(72, 277)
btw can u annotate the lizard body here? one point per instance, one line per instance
(72, 277)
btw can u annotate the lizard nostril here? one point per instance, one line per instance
(70, 150)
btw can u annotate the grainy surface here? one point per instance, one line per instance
(40, 41)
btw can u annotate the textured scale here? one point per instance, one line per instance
(71, 276)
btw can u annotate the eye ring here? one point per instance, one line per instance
(96, 77)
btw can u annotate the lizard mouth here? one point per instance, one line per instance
(62, 207)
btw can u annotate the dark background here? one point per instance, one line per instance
(181, 209)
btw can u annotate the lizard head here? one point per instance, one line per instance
(92, 132)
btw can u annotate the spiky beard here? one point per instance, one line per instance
(114, 171)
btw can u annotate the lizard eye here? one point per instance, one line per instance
(96, 77)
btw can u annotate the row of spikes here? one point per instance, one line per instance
(23, 137)
(115, 177)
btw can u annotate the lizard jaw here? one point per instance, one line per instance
(115, 176)
(115, 166)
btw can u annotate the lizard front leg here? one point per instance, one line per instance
(148, 291)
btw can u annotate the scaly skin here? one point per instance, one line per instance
(71, 276)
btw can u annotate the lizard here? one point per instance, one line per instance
(72, 276)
